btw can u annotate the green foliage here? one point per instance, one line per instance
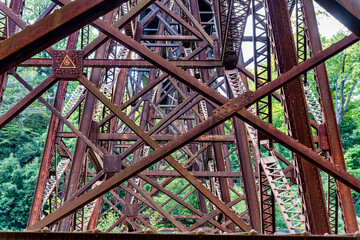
(17, 185)
(352, 157)
(33, 9)
(21, 144)
(25, 135)
(108, 220)
(154, 222)
(174, 187)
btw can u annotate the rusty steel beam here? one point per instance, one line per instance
(169, 38)
(152, 85)
(144, 176)
(15, 10)
(337, 155)
(51, 29)
(132, 170)
(219, 162)
(303, 151)
(296, 71)
(157, 137)
(310, 180)
(346, 11)
(247, 172)
(194, 20)
(13, 13)
(84, 127)
(202, 88)
(169, 159)
(58, 114)
(142, 164)
(126, 63)
(49, 144)
(150, 234)
(167, 173)
(122, 22)
(148, 111)
(17, 7)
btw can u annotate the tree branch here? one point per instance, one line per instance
(349, 97)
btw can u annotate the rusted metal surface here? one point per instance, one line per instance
(274, 81)
(127, 63)
(49, 30)
(112, 164)
(49, 146)
(153, 235)
(310, 187)
(331, 128)
(84, 127)
(67, 64)
(157, 119)
(347, 12)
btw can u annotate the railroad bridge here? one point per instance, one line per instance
(164, 112)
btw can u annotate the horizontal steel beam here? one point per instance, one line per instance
(220, 174)
(346, 11)
(51, 29)
(125, 63)
(169, 38)
(156, 137)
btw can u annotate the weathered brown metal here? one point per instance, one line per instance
(337, 155)
(335, 48)
(84, 127)
(127, 63)
(287, 141)
(247, 174)
(158, 105)
(49, 146)
(169, 159)
(157, 137)
(49, 30)
(346, 12)
(309, 177)
(67, 64)
(151, 234)
(330, 51)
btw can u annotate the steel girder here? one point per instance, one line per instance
(160, 125)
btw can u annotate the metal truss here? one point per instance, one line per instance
(169, 122)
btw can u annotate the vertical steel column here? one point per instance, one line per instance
(285, 53)
(337, 155)
(333, 205)
(238, 18)
(244, 156)
(80, 146)
(248, 176)
(49, 143)
(218, 154)
(117, 99)
(262, 74)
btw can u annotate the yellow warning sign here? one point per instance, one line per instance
(67, 63)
